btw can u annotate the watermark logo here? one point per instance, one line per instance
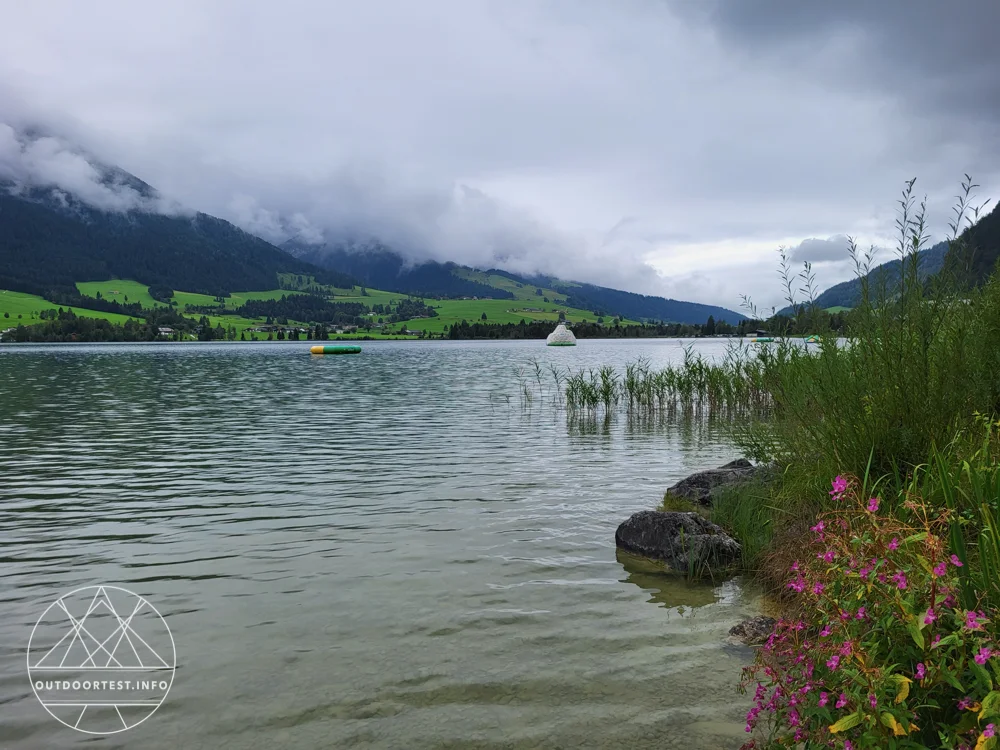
(101, 659)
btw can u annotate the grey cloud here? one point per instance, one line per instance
(521, 133)
(815, 250)
(929, 52)
(47, 161)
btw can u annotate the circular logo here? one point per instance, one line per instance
(101, 659)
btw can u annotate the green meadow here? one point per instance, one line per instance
(17, 307)
(118, 291)
(527, 306)
(519, 290)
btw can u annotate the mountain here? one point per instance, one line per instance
(66, 216)
(89, 221)
(641, 306)
(48, 242)
(974, 257)
(379, 267)
(848, 293)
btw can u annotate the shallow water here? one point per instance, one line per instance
(374, 551)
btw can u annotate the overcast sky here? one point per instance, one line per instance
(662, 147)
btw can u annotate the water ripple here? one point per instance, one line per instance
(371, 551)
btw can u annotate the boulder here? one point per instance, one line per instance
(685, 541)
(700, 487)
(753, 631)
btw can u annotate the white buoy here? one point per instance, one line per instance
(562, 336)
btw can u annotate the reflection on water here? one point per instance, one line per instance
(377, 551)
(670, 589)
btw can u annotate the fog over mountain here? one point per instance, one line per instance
(661, 147)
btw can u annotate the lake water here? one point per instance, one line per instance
(374, 551)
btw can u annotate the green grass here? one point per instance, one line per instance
(497, 311)
(838, 309)
(27, 306)
(132, 291)
(122, 291)
(449, 311)
(523, 292)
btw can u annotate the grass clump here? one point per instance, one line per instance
(921, 357)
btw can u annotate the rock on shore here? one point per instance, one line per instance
(682, 540)
(700, 487)
(753, 631)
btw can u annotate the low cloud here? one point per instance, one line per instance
(815, 250)
(49, 162)
(664, 148)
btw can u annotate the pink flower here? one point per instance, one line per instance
(861, 614)
(929, 618)
(935, 641)
(823, 698)
(848, 745)
(971, 621)
(921, 671)
(894, 544)
(872, 700)
(873, 505)
(964, 703)
(900, 580)
(846, 648)
(841, 701)
(818, 528)
(839, 487)
(955, 561)
(990, 730)
(983, 655)
(833, 662)
(826, 556)
(817, 588)
(940, 569)
(795, 566)
(824, 632)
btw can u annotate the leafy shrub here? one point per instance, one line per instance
(881, 652)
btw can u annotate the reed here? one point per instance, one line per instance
(733, 386)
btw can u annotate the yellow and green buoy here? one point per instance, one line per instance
(319, 349)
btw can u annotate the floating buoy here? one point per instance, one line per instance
(561, 336)
(335, 350)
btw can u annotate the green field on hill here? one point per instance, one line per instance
(124, 292)
(19, 308)
(528, 306)
(133, 291)
(497, 311)
(519, 290)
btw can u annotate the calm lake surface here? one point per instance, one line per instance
(374, 551)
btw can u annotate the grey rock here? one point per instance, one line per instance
(754, 630)
(701, 486)
(682, 540)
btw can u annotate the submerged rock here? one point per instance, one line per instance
(754, 630)
(683, 540)
(700, 487)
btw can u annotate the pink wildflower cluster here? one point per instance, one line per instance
(825, 679)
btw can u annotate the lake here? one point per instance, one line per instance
(384, 550)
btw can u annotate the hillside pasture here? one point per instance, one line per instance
(24, 309)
